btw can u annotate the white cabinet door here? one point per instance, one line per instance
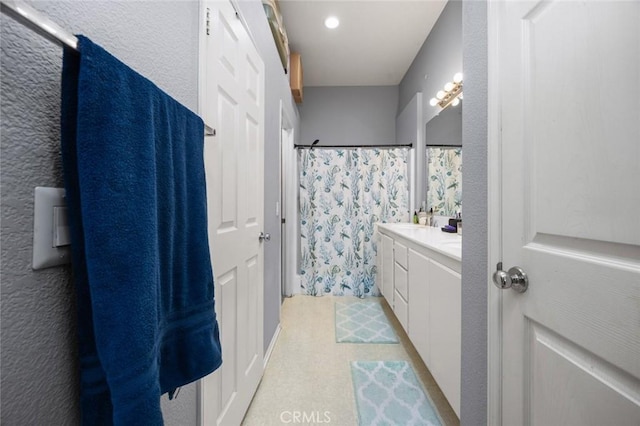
(567, 92)
(387, 269)
(419, 304)
(445, 331)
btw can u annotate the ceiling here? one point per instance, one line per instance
(374, 45)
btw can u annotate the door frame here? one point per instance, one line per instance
(494, 216)
(288, 205)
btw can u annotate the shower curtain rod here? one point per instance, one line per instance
(409, 145)
(40, 24)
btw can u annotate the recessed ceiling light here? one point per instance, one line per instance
(331, 22)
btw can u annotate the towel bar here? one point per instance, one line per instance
(40, 24)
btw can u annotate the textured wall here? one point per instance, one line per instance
(277, 90)
(39, 380)
(475, 270)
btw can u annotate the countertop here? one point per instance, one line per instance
(431, 238)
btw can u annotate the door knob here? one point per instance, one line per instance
(262, 237)
(514, 278)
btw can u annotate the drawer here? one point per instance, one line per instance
(401, 280)
(400, 254)
(401, 309)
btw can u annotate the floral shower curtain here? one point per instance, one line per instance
(444, 168)
(343, 193)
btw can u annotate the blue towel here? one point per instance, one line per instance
(135, 187)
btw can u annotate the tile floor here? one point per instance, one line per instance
(308, 375)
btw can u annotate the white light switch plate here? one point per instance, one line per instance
(50, 229)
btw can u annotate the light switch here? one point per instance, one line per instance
(51, 240)
(61, 235)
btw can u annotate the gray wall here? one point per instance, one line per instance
(39, 380)
(439, 58)
(350, 115)
(475, 271)
(277, 89)
(445, 128)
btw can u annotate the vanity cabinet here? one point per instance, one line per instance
(421, 283)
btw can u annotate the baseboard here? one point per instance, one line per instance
(272, 345)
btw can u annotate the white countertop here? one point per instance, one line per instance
(431, 238)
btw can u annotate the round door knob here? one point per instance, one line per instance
(502, 280)
(264, 237)
(519, 280)
(514, 278)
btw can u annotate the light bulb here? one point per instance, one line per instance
(440, 94)
(457, 78)
(455, 102)
(331, 22)
(433, 102)
(448, 87)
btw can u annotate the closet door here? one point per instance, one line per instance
(233, 103)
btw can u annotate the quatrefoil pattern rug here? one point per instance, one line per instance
(362, 322)
(388, 393)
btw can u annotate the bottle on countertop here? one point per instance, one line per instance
(415, 217)
(422, 215)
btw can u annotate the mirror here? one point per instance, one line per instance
(443, 136)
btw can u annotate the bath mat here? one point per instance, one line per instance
(388, 393)
(363, 322)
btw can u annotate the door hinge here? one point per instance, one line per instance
(208, 21)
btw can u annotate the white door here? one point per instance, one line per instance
(565, 89)
(233, 99)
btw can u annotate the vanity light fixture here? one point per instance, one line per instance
(331, 22)
(451, 94)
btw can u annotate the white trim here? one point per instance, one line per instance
(494, 217)
(282, 209)
(289, 209)
(200, 404)
(201, 54)
(421, 154)
(274, 339)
